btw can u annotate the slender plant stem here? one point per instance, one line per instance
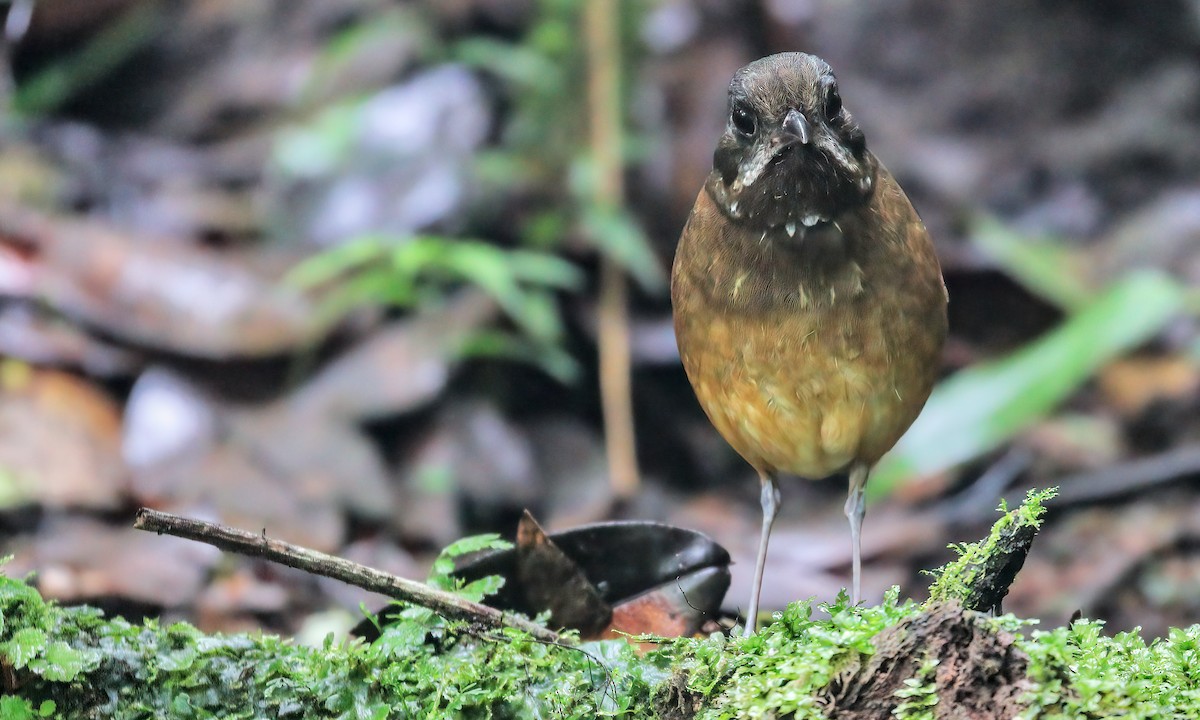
(602, 27)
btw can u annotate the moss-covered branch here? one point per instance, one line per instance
(984, 571)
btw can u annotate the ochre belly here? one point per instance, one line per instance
(800, 399)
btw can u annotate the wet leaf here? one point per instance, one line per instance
(157, 293)
(979, 408)
(674, 608)
(550, 580)
(62, 663)
(653, 575)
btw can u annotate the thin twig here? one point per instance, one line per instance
(448, 605)
(600, 21)
(1124, 478)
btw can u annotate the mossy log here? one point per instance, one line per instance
(898, 659)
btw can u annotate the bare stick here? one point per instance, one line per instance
(448, 605)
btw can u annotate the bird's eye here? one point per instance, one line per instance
(833, 101)
(743, 120)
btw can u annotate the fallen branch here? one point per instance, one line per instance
(448, 605)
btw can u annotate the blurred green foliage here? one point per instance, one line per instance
(411, 271)
(540, 181)
(542, 163)
(539, 173)
(977, 409)
(982, 406)
(1043, 265)
(55, 85)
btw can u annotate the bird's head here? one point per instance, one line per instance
(791, 155)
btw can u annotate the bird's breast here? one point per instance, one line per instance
(807, 369)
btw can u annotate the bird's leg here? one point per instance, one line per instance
(770, 503)
(856, 508)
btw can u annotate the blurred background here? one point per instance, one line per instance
(370, 276)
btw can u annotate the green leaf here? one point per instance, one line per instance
(15, 708)
(513, 63)
(59, 663)
(546, 229)
(1043, 265)
(25, 645)
(620, 238)
(516, 279)
(107, 49)
(544, 269)
(550, 358)
(979, 408)
(178, 660)
(477, 590)
(330, 265)
(444, 565)
(400, 638)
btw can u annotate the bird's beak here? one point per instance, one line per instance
(795, 128)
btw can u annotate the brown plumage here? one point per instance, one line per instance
(809, 305)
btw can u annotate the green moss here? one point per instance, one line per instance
(75, 663)
(919, 694)
(960, 580)
(1078, 672)
(780, 670)
(93, 667)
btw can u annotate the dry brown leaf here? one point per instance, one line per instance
(59, 440)
(1131, 384)
(184, 298)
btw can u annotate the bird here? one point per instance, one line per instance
(808, 301)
